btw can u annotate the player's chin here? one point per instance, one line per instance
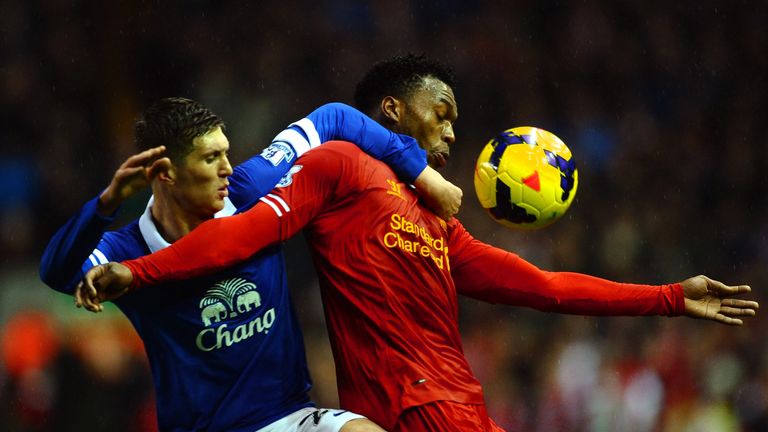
(438, 159)
(218, 205)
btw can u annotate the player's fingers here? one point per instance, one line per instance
(88, 304)
(129, 172)
(78, 295)
(89, 281)
(92, 291)
(93, 304)
(141, 159)
(87, 300)
(744, 304)
(157, 166)
(730, 311)
(728, 290)
(728, 320)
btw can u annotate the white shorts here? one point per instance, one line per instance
(312, 420)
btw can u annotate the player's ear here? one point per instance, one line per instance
(158, 166)
(166, 173)
(391, 109)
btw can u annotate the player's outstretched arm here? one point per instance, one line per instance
(710, 299)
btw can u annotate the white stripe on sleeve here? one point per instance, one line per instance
(100, 257)
(281, 202)
(273, 205)
(309, 129)
(292, 137)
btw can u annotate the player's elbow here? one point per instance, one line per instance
(55, 280)
(338, 110)
(46, 273)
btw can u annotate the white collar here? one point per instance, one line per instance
(152, 236)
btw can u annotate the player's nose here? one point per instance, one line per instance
(448, 136)
(226, 168)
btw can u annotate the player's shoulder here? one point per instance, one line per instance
(334, 155)
(342, 148)
(123, 243)
(455, 228)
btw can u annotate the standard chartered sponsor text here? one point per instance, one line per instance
(423, 244)
(210, 339)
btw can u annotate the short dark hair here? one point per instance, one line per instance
(398, 77)
(174, 122)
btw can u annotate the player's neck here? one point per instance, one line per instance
(172, 219)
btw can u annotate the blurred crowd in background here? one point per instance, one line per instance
(662, 103)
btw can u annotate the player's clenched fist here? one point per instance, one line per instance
(440, 195)
(102, 283)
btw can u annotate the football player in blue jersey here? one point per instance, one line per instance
(226, 352)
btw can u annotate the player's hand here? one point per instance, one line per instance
(440, 195)
(133, 175)
(102, 283)
(709, 299)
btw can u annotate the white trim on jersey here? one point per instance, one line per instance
(282, 202)
(152, 236)
(294, 139)
(98, 257)
(309, 129)
(268, 201)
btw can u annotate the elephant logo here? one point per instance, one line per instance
(227, 299)
(214, 311)
(248, 299)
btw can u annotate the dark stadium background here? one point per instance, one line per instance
(662, 103)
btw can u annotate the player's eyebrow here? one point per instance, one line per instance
(451, 106)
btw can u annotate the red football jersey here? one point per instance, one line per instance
(390, 271)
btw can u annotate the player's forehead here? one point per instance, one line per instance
(434, 92)
(213, 140)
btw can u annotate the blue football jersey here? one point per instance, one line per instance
(226, 351)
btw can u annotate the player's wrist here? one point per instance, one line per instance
(108, 203)
(127, 271)
(409, 163)
(425, 181)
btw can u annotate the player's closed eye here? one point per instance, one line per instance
(213, 157)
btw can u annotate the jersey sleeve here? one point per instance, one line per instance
(338, 121)
(334, 121)
(258, 175)
(70, 251)
(490, 274)
(220, 243)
